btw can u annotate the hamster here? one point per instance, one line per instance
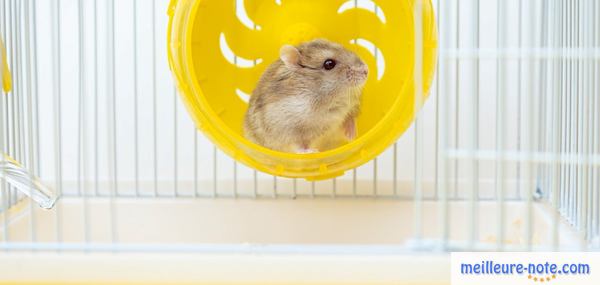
(308, 100)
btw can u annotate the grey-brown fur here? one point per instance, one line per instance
(298, 105)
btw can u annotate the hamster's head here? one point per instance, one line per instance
(325, 65)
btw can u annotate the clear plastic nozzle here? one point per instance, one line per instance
(28, 184)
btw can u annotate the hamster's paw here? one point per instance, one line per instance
(307, 151)
(350, 128)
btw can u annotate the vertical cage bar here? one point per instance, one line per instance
(543, 184)
(111, 115)
(10, 115)
(295, 188)
(112, 100)
(235, 179)
(443, 173)
(570, 113)
(214, 192)
(563, 111)
(275, 193)
(519, 112)
(418, 83)
(34, 90)
(528, 140)
(136, 132)
(195, 162)
(334, 187)
(82, 142)
(596, 121)
(9, 119)
(543, 181)
(56, 45)
(7, 12)
(18, 89)
(457, 65)
(175, 145)
(255, 180)
(578, 119)
(395, 170)
(34, 86)
(354, 189)
(96, 103)
(500, 127)
(574, 117)
(590, 127)
(584, 133)
(28, 109)
(587, 26)
(4, 202)
(154, 100)
(81, 98)
(558, 118)
(473, 197)
(445, 115)
(16, 97)
(437, 117)
(374, 182)
(594, 154)
(564, 106)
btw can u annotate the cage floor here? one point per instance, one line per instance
(184, 240)
(183, 221)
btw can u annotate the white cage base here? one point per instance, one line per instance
(204, 240)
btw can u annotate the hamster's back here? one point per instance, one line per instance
(267, 91)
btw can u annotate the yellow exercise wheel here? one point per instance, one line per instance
(218, 51)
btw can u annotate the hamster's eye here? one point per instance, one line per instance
(329, 64)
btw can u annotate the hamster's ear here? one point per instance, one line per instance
(290, 56)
